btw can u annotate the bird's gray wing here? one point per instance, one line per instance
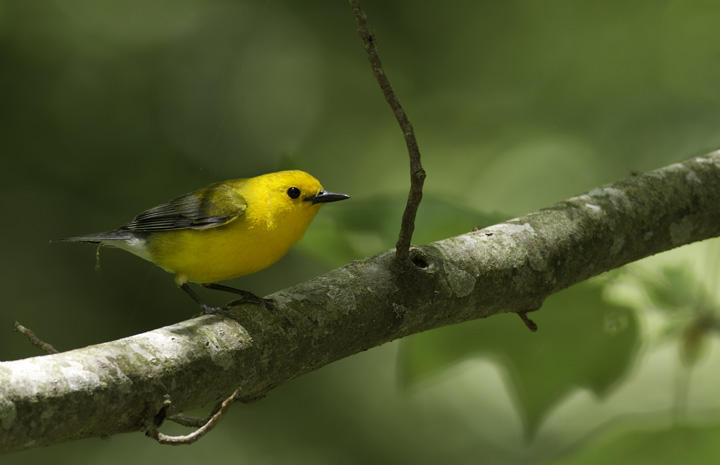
(208, 207)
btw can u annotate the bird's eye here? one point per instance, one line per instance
(293, 192)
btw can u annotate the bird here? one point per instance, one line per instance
(222, 231)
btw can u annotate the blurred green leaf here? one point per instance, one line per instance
(695, 338)
(688, 445)
(674, 289)
(679, 289)
(582, 342)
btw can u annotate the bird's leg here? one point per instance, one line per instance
(205, 307)
(247, 296)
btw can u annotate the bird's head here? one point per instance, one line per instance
(293, 196)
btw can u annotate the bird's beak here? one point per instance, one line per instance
(324, 197)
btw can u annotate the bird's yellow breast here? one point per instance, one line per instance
(238, 248)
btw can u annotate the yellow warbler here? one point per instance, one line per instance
(224, 230)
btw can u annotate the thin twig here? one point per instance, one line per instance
(194, 422)
(417, 173)
(532, 326)
(44, 346)
(198, 433)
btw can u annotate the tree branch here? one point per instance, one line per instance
(417, 173)
(121, 386)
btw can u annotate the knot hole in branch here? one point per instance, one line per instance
(420, 259)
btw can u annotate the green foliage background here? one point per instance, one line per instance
(110, 107)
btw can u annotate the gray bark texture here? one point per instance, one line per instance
(120, 386)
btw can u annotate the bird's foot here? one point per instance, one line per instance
(247, 296)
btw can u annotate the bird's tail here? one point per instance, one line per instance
(130, 241)
(97, 238)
